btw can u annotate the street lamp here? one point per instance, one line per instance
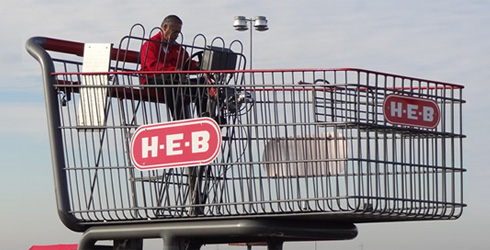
(259, 23)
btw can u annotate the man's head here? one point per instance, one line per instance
(171, 27)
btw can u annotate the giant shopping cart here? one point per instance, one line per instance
(290, 155)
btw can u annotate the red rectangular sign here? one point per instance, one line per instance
(176, 144)
(411, 111)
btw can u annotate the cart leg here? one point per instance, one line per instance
(85, 244)
(274, 245)
(192, 245)
(171, 243)
(128, 244)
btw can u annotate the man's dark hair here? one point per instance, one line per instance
(172, 19)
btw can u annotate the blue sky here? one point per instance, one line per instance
(445, 40)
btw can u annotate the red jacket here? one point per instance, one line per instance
(156, 55)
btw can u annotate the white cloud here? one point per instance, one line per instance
(27, 120)
(443, 40)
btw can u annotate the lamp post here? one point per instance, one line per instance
(259, 23)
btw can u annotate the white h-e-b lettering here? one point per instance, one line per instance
(428, 114)
(200, 141)
(146, 147)
(412, 111)
(171, 144)
(396, 110)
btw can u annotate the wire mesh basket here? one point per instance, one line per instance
(326, 144)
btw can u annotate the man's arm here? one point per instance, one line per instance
(151, 52)
(192, 65)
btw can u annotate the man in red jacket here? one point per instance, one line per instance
(163, 53)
